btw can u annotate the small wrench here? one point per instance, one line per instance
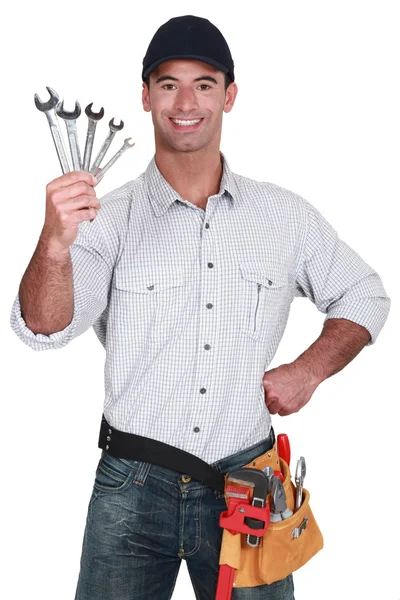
(114, 159)
(48, 109)
(299, 478)
(70, 122)
(106, 144)
(269, 473)
(91, 130)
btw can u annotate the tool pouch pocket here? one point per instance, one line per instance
(286, 545)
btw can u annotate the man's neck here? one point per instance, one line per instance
(194, 175)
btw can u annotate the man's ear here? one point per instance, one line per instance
(146, 98)
(230, 96)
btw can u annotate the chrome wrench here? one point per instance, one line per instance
(91, 130)
(48, 109)
(70, 122)
(114, 159)
(269, 473)
(299, 478)
(106, 144)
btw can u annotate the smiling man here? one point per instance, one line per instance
(187, 99)
(187, 274)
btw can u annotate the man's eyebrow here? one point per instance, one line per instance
(207, 78)
(165, 77)
(203, 78)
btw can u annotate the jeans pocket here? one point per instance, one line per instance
(114, 474)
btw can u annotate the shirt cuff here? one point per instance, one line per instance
(369, 313)
(39, 341)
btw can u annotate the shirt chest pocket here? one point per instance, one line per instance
(264, 288)
(152, 306)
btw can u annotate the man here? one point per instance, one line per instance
(187, 275)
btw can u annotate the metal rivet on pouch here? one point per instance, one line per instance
(108, 438)
(269, 454)
(254, 463)
(110, 431)
(107, 447)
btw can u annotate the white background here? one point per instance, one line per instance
(318, 113)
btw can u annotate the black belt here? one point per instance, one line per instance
(136, 447)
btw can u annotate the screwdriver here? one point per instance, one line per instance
(284, 447)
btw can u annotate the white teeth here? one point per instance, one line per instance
(179, 122)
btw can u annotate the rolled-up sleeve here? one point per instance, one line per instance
(92, 268)
(339, 282)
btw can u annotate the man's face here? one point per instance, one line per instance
(182, 91)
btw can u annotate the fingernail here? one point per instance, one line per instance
(94, 180)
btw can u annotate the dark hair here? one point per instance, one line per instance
(228, 80)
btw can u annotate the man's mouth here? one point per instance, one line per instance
(186, 125)
(186, 122)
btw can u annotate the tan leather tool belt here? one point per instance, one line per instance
(286, 545)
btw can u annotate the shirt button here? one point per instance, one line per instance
(207, 225)
(203, 391)
(196, 429)
(209, 305)
(210, 265)
(207, 347)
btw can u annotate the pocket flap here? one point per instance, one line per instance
(147, 282)
(270, 275)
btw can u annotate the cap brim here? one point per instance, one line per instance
(204, 59)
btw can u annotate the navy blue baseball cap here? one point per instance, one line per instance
(188, 37)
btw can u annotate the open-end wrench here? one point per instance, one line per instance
(91, 130)
(70, 122)
(269, 473)
(114, 159)
(48, 109)
(106, 144)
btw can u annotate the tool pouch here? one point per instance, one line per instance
(286, 545)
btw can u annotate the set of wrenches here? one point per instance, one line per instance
(53, 109)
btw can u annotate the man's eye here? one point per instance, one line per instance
(205, 86)
(168, 86)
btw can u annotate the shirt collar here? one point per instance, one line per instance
(162, 194)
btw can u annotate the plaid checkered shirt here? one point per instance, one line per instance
(190, 305)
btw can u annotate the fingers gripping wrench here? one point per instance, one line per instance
(91, 130)
(106, 144)
(49, 110)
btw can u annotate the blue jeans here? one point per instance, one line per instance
(144, 519)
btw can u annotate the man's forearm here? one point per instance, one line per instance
(46, 290)
(340, 341)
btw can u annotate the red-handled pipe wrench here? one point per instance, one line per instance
(243, 517)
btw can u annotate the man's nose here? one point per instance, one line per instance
(186, 100)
